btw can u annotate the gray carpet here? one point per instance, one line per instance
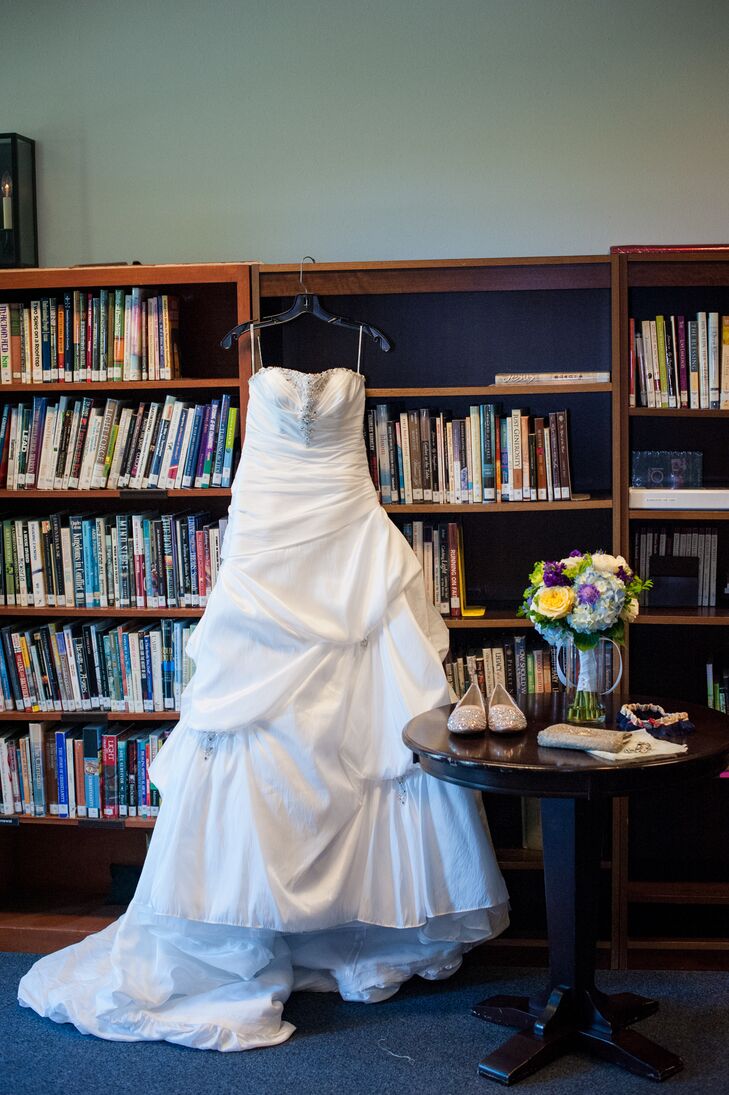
(343, 1048)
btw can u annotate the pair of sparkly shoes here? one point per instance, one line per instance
(469, 716)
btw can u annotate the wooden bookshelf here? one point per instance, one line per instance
(499, 316)
(672, 644)
(55, 873)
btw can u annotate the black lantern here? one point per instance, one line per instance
(18, 215)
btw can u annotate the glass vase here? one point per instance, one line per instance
(582, 674)
(587, 705)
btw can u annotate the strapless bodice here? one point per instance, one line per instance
(303, 470)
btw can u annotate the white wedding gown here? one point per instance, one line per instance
(297, 846)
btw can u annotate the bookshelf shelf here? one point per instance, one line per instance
(183, 384)
(499, 390)
(676, 412)
(679, 893)
(130, 496)
(699, 617)
(679, 515)
(502, 507)
(89, 716)
(81, 613)
(492, 619)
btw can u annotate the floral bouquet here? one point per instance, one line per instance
(587, 597)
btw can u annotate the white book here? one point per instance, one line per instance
(714, 536)
(155, 642)
(499, 665)
(713, 356)
(8, 803)
(80, 705)
(467, 462)
(46, 443)
(138, 545)
(137, 703)
(110, 414)
(476, 454)
(176, 480)
(36, 353)
(67, 556)
(449, 458)
(439, 496)
(548, 463)
(577, 377)
(38, 584)
(101, 561)
(138, 481)
(703, 338)
(13, 449)
(91, 445)
(165, 427)
(177, 412)
(406, 468)
(488, 670)
(62, 705)
(125, 419)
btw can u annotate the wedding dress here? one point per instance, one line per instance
(298, 846)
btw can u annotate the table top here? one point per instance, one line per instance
(515, 764)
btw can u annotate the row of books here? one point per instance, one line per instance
(522, 665)
(82, 444)
(487, 456)
(680, 362)
(717, 687)
(93, 770)
(439, 549)
(97, 665)
(682, 562)
(119, 334)
(122, 560)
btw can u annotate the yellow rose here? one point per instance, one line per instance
(553, 601)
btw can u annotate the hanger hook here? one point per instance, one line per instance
(301, 271)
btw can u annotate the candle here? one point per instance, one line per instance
(7, 192)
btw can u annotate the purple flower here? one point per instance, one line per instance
(587, 594)
(624, 575)
(575, 554)
(554, 575)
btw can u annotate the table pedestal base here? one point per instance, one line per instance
(587, 1020)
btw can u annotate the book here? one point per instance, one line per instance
(577, 377)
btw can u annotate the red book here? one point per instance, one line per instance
(200, 538)
(110, 778)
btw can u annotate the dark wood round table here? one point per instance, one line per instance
(572, 1013)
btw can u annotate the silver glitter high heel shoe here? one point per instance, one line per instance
(505, 716)
(469, 714)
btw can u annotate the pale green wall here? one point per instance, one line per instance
(365, 129)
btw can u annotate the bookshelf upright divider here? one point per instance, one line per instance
(57, 873)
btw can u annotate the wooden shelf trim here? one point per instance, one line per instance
(492, 619)
(151, 613)
(702, 617)
(89, 716)
(81, 277)
(500, 507)
(91, 823)
(488, 389)
(182, 384)
(678, 514)
(676, 412)
(679, 893)
(127, 495)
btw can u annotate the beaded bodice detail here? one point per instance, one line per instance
(309, 387)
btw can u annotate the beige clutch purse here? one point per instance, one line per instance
(564, 736)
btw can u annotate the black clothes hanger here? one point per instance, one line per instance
(307, 303)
